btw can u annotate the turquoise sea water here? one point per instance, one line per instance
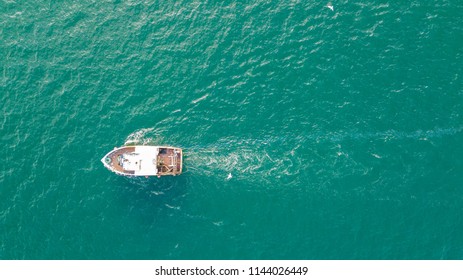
(342, 130)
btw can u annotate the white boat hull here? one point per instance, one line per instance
(144, 161)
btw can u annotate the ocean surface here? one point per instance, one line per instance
(308, 133)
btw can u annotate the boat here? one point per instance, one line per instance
(144, 161)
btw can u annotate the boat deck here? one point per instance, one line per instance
(169, 161)
(116, 159)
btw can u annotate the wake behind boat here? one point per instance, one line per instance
(144, 161)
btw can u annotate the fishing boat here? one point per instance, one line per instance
(144, 161)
